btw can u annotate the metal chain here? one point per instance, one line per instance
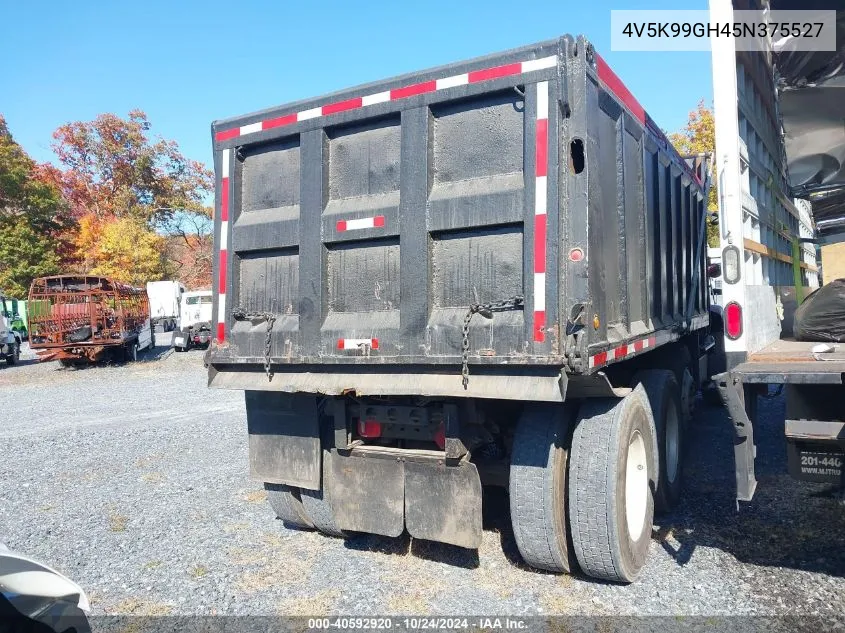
(486, 310)
(241, 314)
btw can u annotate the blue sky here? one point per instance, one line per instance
(187, 62)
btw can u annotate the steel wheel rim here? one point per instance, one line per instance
(636, 485)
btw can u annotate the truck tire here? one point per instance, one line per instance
(287, 505)
(537, 488)
(611, 475)
(317, 504)
(133, 352)
(663, 393)
(15, 356)
(681, 364)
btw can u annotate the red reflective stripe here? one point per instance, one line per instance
(652, 341)
(341, 225)
(638, 346)
(340, 344)
(416, 89)
(225, 135)
(288, 119)
(612, 81)
(224, 200)
(620, 352)
(600, 358)
(539, 324)
(221, 279)
(221, 332)
(495, 73)
(378, 220)
(374, 343)
(540, 246)
(542, 153)
(341, 106)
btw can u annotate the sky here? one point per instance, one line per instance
(186, 63)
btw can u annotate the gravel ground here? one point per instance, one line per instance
(132, 480)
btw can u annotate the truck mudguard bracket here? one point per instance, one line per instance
(741, 402)
(284, 438)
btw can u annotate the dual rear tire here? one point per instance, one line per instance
(590, 499)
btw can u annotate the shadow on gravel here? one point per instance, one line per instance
(788, 524)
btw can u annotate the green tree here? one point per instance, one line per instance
(699, 136)
(33, 218)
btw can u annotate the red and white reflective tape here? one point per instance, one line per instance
(475, 76)
(541, 166)
(223, 254)
(360, 223)
(357, 343)
(622, 351)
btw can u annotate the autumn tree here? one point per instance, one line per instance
(32, 218)
(699, 136)
(114, 171)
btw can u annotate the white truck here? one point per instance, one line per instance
(165, 301)
(10, 341)
(195, 323)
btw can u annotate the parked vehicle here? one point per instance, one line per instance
(83, 318)
(488, 273)
(195, 325)
(15, 311)
(165, 300)
(784, 106)
(10, 339)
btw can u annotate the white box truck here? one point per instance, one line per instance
(165, 300)
(195, 323)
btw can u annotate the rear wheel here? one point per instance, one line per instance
(661, 387)
(317, 503)
(611, 475)
(15, 356)
(537, 488)
(287, 504)
(133, 352)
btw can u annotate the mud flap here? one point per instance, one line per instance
(284, 440)
(368, 494)
(443, 503)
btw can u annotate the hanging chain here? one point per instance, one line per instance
(241, 314)
(486, 310)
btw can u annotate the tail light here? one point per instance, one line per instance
(440, 437)
(369, 428)
(733, 320)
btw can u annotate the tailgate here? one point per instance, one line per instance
(365, 223)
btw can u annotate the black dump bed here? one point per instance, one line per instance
(366, 223)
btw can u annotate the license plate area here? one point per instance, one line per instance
(815, 461)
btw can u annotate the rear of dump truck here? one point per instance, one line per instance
(488, 273)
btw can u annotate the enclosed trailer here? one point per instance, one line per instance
(485, 273)
(82, 318)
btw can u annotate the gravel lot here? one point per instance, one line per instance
(132, 480)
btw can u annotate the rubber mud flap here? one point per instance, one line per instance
(443, 503)
(368, 494)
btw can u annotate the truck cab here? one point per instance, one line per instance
(10, 339)
(195, 324)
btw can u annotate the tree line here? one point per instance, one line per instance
(118, 202)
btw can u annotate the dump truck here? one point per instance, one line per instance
(778, 120)
(487, 273)
(165, 301)
(79, 319)
(195, 323)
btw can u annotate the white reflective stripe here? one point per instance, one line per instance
(355, 343)
(313, 113)
(539, 292)
(592, 362)
(539, 64)
(540, 195)
(224, 235)
(645, 343)
(379, 97)
(451, 82)
(360, 223)
(224, 167)
(543, 100)
(221, 309)
(252, 127)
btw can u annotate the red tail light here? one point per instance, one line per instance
(369, 428)
(733, 320)
(440, 437)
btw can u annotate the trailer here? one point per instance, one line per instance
(79, 319)
(779, 144)
(165, 300)
(195, 323)
(488, 273)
